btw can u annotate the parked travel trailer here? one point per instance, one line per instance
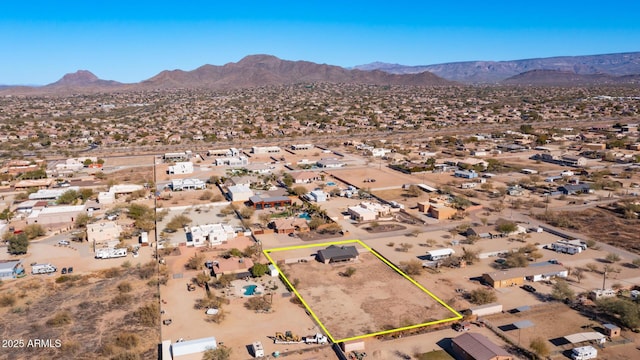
(110, 253)
(584, 353)
(439, 254)
(43, 269)
(257, 349)
(566, 248)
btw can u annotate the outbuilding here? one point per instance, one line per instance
(474, 346)
(11, 269)
(193, 346)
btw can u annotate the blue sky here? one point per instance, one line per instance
(131, 41)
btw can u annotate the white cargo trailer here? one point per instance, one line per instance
(110, 253)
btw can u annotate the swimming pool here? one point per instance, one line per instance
(249, 290)
(331, 183)
(305, 216)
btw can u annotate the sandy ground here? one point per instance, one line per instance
(361, 304)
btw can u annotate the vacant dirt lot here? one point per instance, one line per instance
(362, 304)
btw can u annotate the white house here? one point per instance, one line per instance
(181, 168)
(187, 184)
(318, 196)
(216, 234)
(232, 161)
(359, 213)
(330, 163)
(379, 152)
(265, 149)
(239, 192)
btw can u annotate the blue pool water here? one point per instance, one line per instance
(304, 215)
(331, 183)
(250, 289)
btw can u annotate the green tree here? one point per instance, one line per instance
(6, 214)
(470, 256)
(516, 259)
(414, 191)
(507, 227)
(82, 220)
(34, 230)
(561, 290)
(299, 190)
(18, 244)
(85, 194)
(258, 269)
(68, 197)
(626, 310)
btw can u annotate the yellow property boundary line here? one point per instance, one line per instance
(457, 316)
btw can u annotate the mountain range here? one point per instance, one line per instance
(496, 71)
(264, 70)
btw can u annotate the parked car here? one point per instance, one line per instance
(63, 242)
(529, 288)
(63, 271)
(69, 269)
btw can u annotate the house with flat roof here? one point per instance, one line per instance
(330, 163)
(232, 161)
(214, 234)
(239, 192)
(180, 168)
(187, 184)
(335, 253)
(474, 346)
(265, 149)
(104, 233)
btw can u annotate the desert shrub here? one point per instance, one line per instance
(209, 301)
(121, 299)
(411, 267)
(220, 353)
(60, 319)
(112, 273)
(127, 355)
(148, 315)
(482, 296)
(258, 303)
(8, 299)
(147, 270)
(69, 348)
(195, 262)
(125, 287)
(127, 340)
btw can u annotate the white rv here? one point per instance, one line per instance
(110, 253)
(257, 349)
(584, 353)
(43, 269)
(439, 254)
